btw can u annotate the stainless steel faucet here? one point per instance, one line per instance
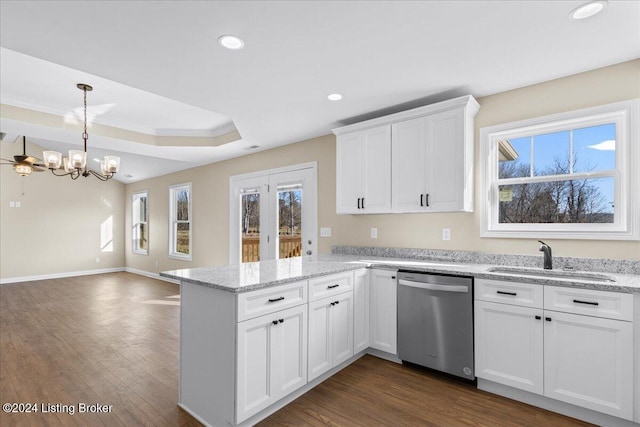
(548, 261)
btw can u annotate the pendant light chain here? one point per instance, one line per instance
(85, 135)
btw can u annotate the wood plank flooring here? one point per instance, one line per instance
(376, 392)
(113, 339)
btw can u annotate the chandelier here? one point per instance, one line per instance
(76, 164)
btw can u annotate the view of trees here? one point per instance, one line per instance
(250, 213)
(289, 212)
(565, 201)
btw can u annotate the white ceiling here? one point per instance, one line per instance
(156, 66)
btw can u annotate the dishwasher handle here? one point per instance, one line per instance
(434, 286)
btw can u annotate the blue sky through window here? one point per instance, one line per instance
(593, 150)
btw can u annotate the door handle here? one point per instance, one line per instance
(358, 202)
(427, 199)
(276, 299)
(363, 203)
(422, 200)
(309, 252)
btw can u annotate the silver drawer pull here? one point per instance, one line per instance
(577, 301)
(276, 299)
(507, 293)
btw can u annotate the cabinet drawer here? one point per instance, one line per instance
(269, 300)
(325, 286)
(606, 304)
(515, 293)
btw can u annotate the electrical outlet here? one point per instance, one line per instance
(325, 232)
(97, 259)
(374, 233)
(157, 263)
(446, 234)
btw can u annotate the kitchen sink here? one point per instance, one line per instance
(552, 274)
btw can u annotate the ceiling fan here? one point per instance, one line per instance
(24, 164)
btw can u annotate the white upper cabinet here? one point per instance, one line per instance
(419, 160)
(364, 171)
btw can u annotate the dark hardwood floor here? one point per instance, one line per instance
(113, 339)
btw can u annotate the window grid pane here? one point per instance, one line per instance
(180, 238)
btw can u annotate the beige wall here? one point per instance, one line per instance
(211, 187)
(58, 227)
(210, 203)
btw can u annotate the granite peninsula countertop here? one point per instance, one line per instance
(256, 275)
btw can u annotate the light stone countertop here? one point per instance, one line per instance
(250, 276)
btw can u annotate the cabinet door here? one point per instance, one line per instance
(589, 362)
(289, 351)
(376, 178)
(254, 383)
(383, 315)
(320, 357)
(349, 172)
(408, 142)
(341, 313)
(360, 311)
(445, 161)
(509, 345)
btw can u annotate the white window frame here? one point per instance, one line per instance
(626, 226)
(173, 253)
(135, 220)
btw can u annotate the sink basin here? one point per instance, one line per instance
(552, 274)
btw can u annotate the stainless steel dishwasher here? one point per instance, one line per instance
(435, 322)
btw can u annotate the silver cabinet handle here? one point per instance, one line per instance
(434, 287)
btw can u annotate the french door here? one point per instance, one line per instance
(273, 214)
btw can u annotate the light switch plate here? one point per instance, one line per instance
(325, 232)
(374, 233)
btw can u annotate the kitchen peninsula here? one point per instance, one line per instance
(255, 336)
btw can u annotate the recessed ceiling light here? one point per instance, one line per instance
(588, 9)
(335, 97)
(231, 42)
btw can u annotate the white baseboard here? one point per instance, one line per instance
(149, 274)
(60, 275)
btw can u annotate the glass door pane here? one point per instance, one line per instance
(250, 225)
(289, 221)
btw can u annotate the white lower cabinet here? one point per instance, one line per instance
(575, 358)
(360, 311)
(509, 345)
(330, 333)
(271, 359)
(589, 362)
(384, 311)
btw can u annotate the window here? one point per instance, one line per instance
(140, 228)
(565, 176)
(180, 229)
